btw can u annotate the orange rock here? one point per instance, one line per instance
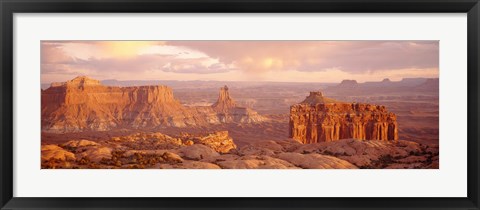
(84, 104)
(56, 153)
(228, 111)
(319, 119)
(220, 141)
(224, 102)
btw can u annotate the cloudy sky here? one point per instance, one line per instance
(290, 61)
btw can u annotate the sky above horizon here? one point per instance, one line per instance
(281, 61)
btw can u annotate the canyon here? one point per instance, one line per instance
(88, 123)
(85, 104)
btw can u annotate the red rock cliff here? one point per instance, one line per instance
(84, 104)
(319, 119)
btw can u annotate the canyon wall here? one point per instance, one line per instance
(84, 104)
(318, 119)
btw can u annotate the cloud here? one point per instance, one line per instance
(53, 53)
(102, 49)
(103, 59)
(255, 60)
(198, 66)
(348, 56)
(142, 63)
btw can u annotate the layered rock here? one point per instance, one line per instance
(224, 102)
(220, 141)
(228, 111)
(84, 104)
(157, 150)
(377, 154)
(54, 152)
(319, 119)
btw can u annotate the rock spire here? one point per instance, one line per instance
(224, 101)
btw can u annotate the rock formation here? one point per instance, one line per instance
(386, 80)
(431, 84)
(320, 119)
(220, 141)
(317, 98)
(228, 111)
(348, 83)
(224, 102)
(377, 154)
(346, 86)
(160, 151)
(84, 104)
(54, 152)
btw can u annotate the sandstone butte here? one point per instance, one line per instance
(84, 104)
(321, 119)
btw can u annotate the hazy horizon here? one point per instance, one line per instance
(199, 80)
(236, 61)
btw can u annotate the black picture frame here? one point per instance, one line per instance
(10, 7)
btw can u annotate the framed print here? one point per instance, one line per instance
(239, 105)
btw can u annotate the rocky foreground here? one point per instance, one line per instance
(218, 151)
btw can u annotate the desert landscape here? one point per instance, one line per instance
(233, 123)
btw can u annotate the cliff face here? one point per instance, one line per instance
(326, 121)
(84, 104)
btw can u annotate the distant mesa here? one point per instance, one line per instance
(431, 81)
(406, 86)
(348, 83)
(317, 97)
(413, 81)
(84, 104)
(344, 86)
(319, 119)
(431, 84)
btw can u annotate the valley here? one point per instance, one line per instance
(116, 121)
